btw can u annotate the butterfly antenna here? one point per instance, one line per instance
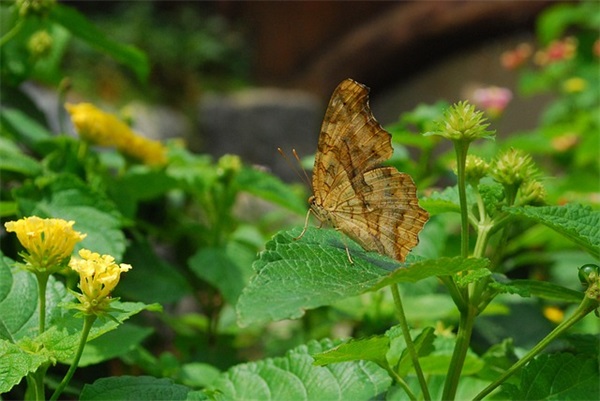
(303, 176)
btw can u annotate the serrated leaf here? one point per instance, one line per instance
(16, 363)
(133, 388)
(472, 276)
(226, 268)
(270, 188)
(579, 223)
(558, 377)
(294, 377)
(62, 338)
(295, 275)
(67, 197)
(373, 349)
(433, 267)
(80, 27)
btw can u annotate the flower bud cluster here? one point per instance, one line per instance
(462, 123)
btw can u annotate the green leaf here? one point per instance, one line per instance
(558, 377)
(579, 223)
(472, 276)
(445, 201)
(28, 130)
(80, 27)
(227, 268)
(294, 377)
(62, 338)
(12, 159)
(133, 388)
(547, 290)
(152, 279)
(112, 344)
(67, 197)
(16, 363)
(270, 188)
(19, 309)
(373, 349)
(295, 275)
(423, 343)
(433, 267)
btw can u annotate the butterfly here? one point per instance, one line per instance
(376, 206)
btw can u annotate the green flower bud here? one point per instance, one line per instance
(40, 44)
(228, 165)
(513, 167)
(38, 7)
(475, 169)
(532, 193)
(462, 122)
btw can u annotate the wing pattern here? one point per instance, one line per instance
(376, 206)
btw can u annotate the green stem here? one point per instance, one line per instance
(402, 383)
(463, 339)
(586, 306)
(88, 322)
(12, 33)
(461, 148)
(42, 280)
(35, 384)
(409, 343)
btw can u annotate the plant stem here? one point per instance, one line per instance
(409, 343)
(402, 384)
(42, 280)
(88, 322)
(586, 306)
(461, 148)
(35, 384)
(463, 338)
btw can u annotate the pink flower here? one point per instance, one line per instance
(492, 99)
(513, 59)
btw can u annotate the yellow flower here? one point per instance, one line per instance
(105, 129)
(575, 85)
(99, 275)
(554, 314)
(49, 242)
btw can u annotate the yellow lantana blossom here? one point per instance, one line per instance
(104, 129)
(99, 275)
(49, 242)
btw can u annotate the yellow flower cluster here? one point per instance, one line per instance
(99, 275)
(105, 129)
(49, 242)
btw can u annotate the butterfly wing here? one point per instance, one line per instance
(351, 141)
(386, 218)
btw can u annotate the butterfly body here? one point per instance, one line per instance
(376, 206)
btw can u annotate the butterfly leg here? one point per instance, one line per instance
(305, 225)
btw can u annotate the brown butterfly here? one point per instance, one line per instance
(376, 206)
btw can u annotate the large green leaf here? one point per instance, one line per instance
(134, 388)
(295, 275)
(81, 28)
(558, 377)
(579, 223)
(19, 309)
(294, 377)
